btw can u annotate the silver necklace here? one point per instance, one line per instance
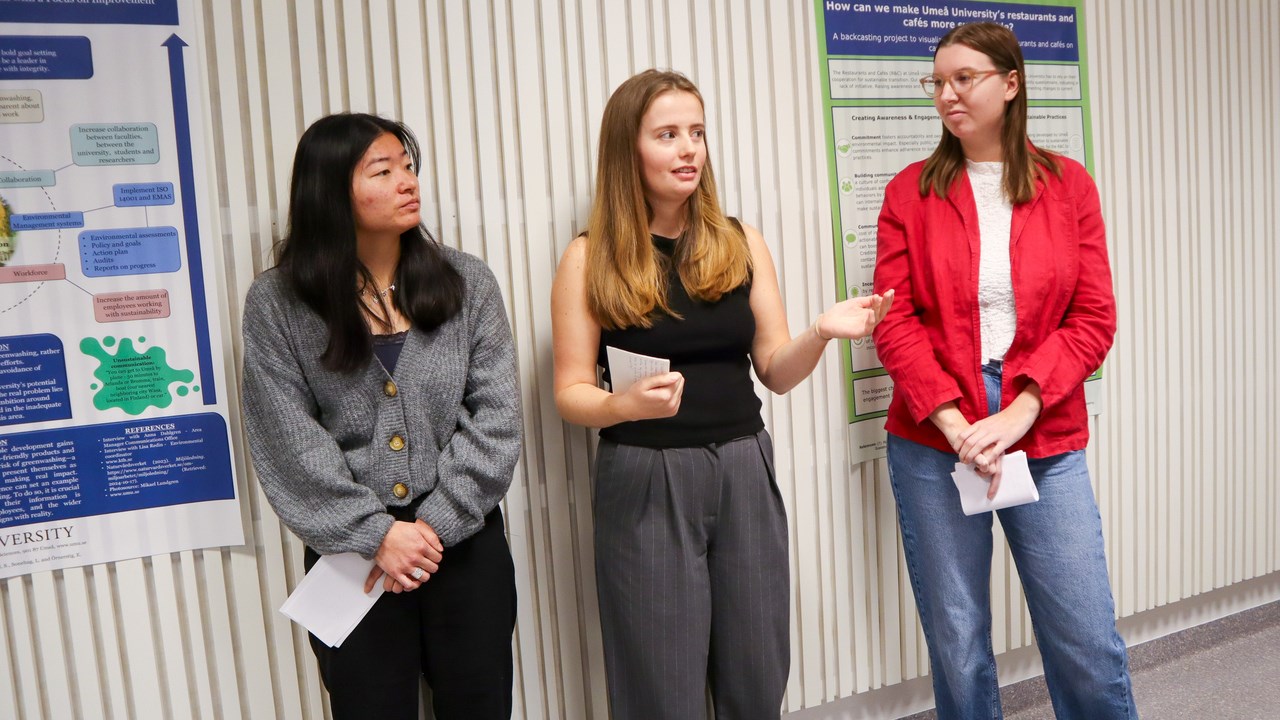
(380, 293)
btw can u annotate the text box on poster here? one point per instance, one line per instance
(41, 57)
(129, 251)
(33, 380)
(131, 305)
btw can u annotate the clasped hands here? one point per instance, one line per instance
(983, 443)
(408, 549)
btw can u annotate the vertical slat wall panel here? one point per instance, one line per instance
(1205, 376)
(1189, 228)
(50, 646)
(506, 97)
(1160, 362)
(26, 672)
(107, 642)
(1261, 222)
(1270, 107)
(78, 618)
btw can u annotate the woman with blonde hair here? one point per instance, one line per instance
(690, 529)
(999, 253)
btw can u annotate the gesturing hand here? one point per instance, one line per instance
(408, 548)
(853, 318)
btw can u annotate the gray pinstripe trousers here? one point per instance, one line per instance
(692, 575)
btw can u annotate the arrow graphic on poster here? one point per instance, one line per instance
(191, 226)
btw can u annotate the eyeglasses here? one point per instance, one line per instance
(962, 81)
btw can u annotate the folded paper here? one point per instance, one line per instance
(1016, 485)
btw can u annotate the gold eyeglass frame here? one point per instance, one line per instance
(941, 82)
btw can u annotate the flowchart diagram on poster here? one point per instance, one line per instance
(109, 385)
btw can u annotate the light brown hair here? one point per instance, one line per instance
(626, 276)
(1024, 163)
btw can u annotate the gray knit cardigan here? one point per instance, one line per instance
(322, 441)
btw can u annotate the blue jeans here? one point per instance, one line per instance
(1057, 546)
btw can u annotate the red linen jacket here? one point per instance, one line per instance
(930, 342)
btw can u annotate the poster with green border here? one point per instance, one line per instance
(878, 120)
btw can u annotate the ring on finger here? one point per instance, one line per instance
(417, 573)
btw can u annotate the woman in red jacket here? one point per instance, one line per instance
(998, 254)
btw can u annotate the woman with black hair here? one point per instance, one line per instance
(383, 416)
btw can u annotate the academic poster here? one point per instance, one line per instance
(878, 120)
(114, 439)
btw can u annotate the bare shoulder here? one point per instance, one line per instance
(755, 238)
(575, 255)
(571, 274)
(756, 244)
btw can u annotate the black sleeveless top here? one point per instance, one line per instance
(710, 346)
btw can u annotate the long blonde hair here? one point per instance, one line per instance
(626, 277)
(1024, 163)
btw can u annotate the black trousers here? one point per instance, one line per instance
(455, 631)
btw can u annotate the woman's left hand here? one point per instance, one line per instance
(853, 318)
(991, 471)
(409, 554)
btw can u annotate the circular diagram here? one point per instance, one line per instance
(18, 248)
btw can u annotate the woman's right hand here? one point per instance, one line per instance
(652, 397)
(948, 418)
(406, 546)
(953, 424)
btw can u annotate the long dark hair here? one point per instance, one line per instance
(1024, 163)
(318, 251)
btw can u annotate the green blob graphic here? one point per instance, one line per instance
(132, 381)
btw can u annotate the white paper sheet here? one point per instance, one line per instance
(330, 601)
(625, 368)
(1016, 486)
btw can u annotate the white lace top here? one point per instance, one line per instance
(996, 310)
